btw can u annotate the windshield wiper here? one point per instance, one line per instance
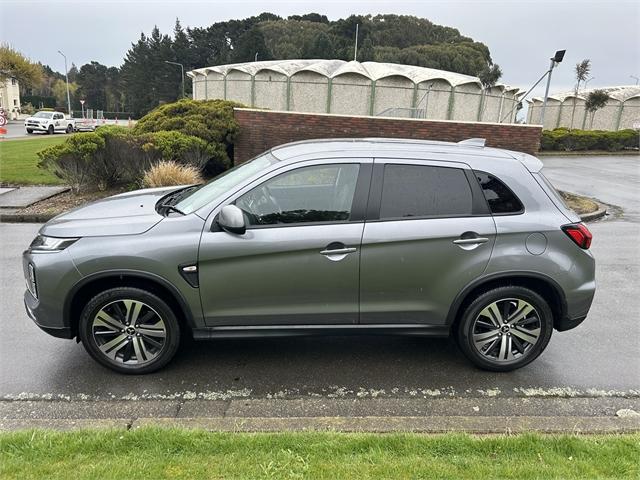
(171, 208)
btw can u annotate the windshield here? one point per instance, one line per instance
(208, 192)
(43, 114)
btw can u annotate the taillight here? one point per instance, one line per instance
(579, 233)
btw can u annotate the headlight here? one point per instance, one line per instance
(50, 244)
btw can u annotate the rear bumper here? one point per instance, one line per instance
(564, 324)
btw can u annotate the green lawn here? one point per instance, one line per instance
(19, 162)
(155, 453)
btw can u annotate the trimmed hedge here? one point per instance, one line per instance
(563, 139)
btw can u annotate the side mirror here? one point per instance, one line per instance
(231, 219)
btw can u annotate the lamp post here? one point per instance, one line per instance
(181, 69)
(66, 76)
(635, 78)
(555, 60)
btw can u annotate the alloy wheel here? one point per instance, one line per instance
(129, 332)
(506, 330)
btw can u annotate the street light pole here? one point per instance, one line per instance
(66, 76)
(181, 69)
(557, 58)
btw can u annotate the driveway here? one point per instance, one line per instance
(601, 358)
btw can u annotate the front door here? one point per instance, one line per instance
(298, 262)
(428, 235)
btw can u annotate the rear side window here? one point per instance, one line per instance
(424, 191)
(500, 198)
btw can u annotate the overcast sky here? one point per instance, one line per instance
(521, 35)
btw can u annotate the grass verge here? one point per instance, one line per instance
(156, 453)
(19, 162)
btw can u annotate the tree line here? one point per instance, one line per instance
(145, 81)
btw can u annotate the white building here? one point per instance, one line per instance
(568, 110)
(354, 88)
(10, 96)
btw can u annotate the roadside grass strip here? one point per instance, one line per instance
(160, 453)
(19, 161)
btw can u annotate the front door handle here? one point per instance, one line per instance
(470, 241)
(338, 251)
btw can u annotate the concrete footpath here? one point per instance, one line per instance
(472, 415)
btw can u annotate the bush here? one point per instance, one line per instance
(570, 140)
(74, 160)
(114, 155)
(210, 120)
(166, 174)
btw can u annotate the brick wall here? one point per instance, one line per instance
(263, 129)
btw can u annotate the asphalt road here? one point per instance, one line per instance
(600, 358)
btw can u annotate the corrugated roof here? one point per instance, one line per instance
(334, 68)
(620, 93)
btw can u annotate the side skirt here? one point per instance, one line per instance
(310, 330)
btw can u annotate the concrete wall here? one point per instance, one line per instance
(571, 113)
(261, 130)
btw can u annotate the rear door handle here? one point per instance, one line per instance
(470, 241)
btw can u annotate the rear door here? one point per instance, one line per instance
(428, 234)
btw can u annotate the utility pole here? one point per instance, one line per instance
(557, 58)
(66, 76)
(181, 69)
(355, 50)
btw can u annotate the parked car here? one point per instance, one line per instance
(322, 237)
(49, 122)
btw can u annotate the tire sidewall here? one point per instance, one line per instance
(168, 316)
(50, 130)
(464, 333)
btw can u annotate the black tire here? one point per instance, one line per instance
(50, 130)
(541, 318)
(152, 304)
(69, 129)
(29, 130)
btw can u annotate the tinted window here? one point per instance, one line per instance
(322, 193)
(423, 191)
(499, 197)
(58, 116)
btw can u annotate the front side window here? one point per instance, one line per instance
(320, 193)
(500, 198)
(424, 191)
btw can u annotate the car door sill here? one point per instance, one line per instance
(238, 331)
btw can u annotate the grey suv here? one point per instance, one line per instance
(326, 236)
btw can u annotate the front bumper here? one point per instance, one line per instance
(36, 127)
(55, 275)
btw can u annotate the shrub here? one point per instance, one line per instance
(210, 120)
(168, 173)
(569, 140)
(182, 148)
(74, 161)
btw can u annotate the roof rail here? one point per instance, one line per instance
(473, 142)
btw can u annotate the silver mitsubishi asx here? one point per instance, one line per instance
(322, 237)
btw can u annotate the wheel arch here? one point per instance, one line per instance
(91, 285)
(539, 283)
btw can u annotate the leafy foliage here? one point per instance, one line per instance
(596, 100)
(15, 65)
(211, 120)
(563, 139)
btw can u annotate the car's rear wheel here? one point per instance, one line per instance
(129, 330)
(505, 328)
(69, 128)
(50, 130)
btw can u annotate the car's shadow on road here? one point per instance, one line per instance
(294, 366)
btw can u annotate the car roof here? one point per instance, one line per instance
(471, 151)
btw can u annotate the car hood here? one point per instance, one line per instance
(125, 214)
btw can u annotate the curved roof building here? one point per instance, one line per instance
(354, 88)
(566, 109)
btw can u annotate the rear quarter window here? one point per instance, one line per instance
(501, 200)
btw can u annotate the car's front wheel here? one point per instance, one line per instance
(129, 330)
(505, 328)
(50, 130)
(29, 130)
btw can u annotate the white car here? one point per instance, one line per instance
(49, 122)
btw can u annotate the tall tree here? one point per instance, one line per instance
(92, 80)
(582, 70)
(15, 65)
(596, 100)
